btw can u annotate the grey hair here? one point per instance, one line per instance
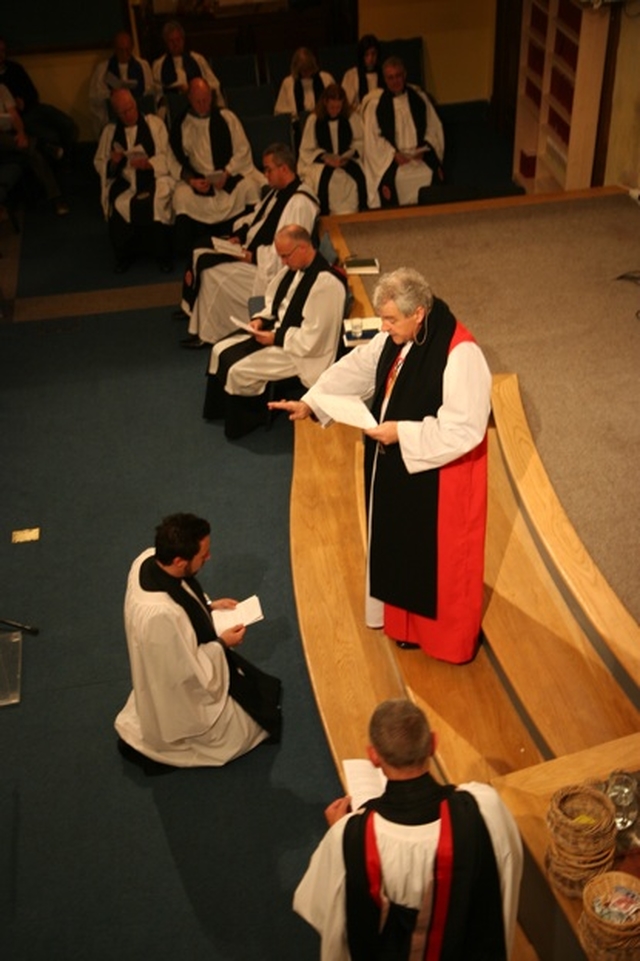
(400, 733)
(407, 288)
(282, 154)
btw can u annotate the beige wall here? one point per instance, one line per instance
(623, 157)
(63, 80)
(458, 41)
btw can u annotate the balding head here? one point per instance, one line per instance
(125, 107)
(294, 247)
(200, 97)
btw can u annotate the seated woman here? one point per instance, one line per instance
(330, 160)
(366, 76)
(301, 90)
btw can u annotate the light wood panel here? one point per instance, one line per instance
(610, 618)
(351, 667)
(560, 679)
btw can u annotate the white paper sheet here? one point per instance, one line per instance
(346, 409)
(364, 781)
(246, 612)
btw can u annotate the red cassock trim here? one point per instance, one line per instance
(372, 857)
(443, 874)
(462, 516)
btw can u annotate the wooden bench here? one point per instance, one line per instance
(538, 688)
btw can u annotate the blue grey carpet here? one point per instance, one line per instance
(102, 436)
(67, 254)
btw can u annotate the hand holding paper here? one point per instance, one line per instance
(346, 409)
(246, 612)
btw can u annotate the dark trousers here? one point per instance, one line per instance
(129, 240)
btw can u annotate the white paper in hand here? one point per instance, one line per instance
(246, 612)
(346, 409)
(363, 780)
(242, 323)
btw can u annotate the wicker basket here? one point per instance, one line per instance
(582, 837)
(605, 939)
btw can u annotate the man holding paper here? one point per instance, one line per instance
(403, 140)
(219, 179)
(138, 173)
(121, 70)
(421, 869)
(195, 702)
(428, 389)
(218, 284)
(296, 335)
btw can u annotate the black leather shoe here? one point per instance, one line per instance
(407, 646)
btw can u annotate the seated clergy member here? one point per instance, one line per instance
(330, 158)
(300, 90)
(195, 701)
(296, 335)
(173, 71)
(218, 286)
(138, 173)
(403, 140)
(424, 871)
(366, 76)
(120, 71)
(218, 176)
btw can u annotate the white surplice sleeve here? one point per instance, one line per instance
(355, 373)
(461, 421)
(320, 896)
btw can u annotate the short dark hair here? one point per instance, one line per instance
(400, 733)
(179, 535)
(282, 154)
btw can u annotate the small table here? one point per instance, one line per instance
(548, 917)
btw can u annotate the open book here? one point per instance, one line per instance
(363, 780)
(246, 612)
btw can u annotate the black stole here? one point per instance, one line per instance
(219, 139)
(270, 217)
(153, 578)
(292, 315)
(474, 926)
(386, 116)
(298, 91)
(386, 119)
(134, 72)
(353, 170)
(409, 532)
(256, 692)
(363, 82)
(168, 73)
(145, 180)
(323, 134)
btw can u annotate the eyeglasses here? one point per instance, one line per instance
(289, 252)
